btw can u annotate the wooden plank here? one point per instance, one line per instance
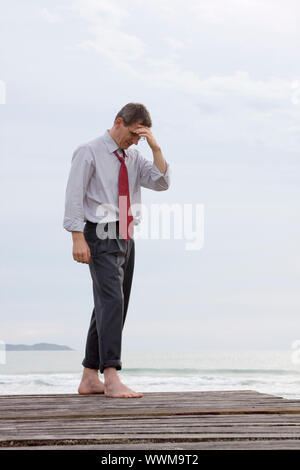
(231, 418)
(207, 445)
(31, 406)
(145, 440)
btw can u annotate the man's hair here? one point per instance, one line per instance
(134, 112)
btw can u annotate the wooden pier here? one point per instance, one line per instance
(193, 420)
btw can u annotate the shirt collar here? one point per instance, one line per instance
(111, 144)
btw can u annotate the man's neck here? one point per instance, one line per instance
(112, 134)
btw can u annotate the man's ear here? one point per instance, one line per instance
(119, 121)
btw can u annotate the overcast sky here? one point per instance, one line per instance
(222, 82)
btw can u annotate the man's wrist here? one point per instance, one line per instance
(77, 235)
(156, 148)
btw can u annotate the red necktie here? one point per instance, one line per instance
(125, 215)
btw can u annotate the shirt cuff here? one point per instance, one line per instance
(73, 225)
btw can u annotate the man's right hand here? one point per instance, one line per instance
(81, 250)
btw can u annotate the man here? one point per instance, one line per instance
(104, 184)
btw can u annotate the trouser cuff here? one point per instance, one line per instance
(116, 364)
(89, 365)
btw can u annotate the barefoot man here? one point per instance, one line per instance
(103, 189)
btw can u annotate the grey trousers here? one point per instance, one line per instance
(111, 267)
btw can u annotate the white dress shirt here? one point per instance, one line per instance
(92, 191)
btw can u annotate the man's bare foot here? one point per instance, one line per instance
(90, 382)
(114, 388)
(119, 390)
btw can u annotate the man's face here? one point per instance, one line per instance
(126, 135)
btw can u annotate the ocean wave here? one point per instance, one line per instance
(187, 371)
(275, 382)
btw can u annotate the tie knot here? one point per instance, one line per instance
(122, 158)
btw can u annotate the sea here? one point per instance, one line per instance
(275, 372)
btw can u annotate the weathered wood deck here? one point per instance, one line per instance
(193, 420)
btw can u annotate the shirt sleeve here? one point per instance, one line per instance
(151, 177)
(82, 167)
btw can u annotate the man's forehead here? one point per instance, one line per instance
(135, 126)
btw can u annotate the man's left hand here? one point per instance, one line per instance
(146, 132)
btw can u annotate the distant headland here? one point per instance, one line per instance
(37, 347)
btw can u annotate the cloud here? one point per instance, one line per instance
(295, 85)
(175, 47)
(148, 44)
(266, 15)
(109, 35)
(174, 43)
(51, 16)
(104, 21)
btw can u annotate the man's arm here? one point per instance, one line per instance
(156, 175)
(150, 176)
(81, 170)
(159, 160)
